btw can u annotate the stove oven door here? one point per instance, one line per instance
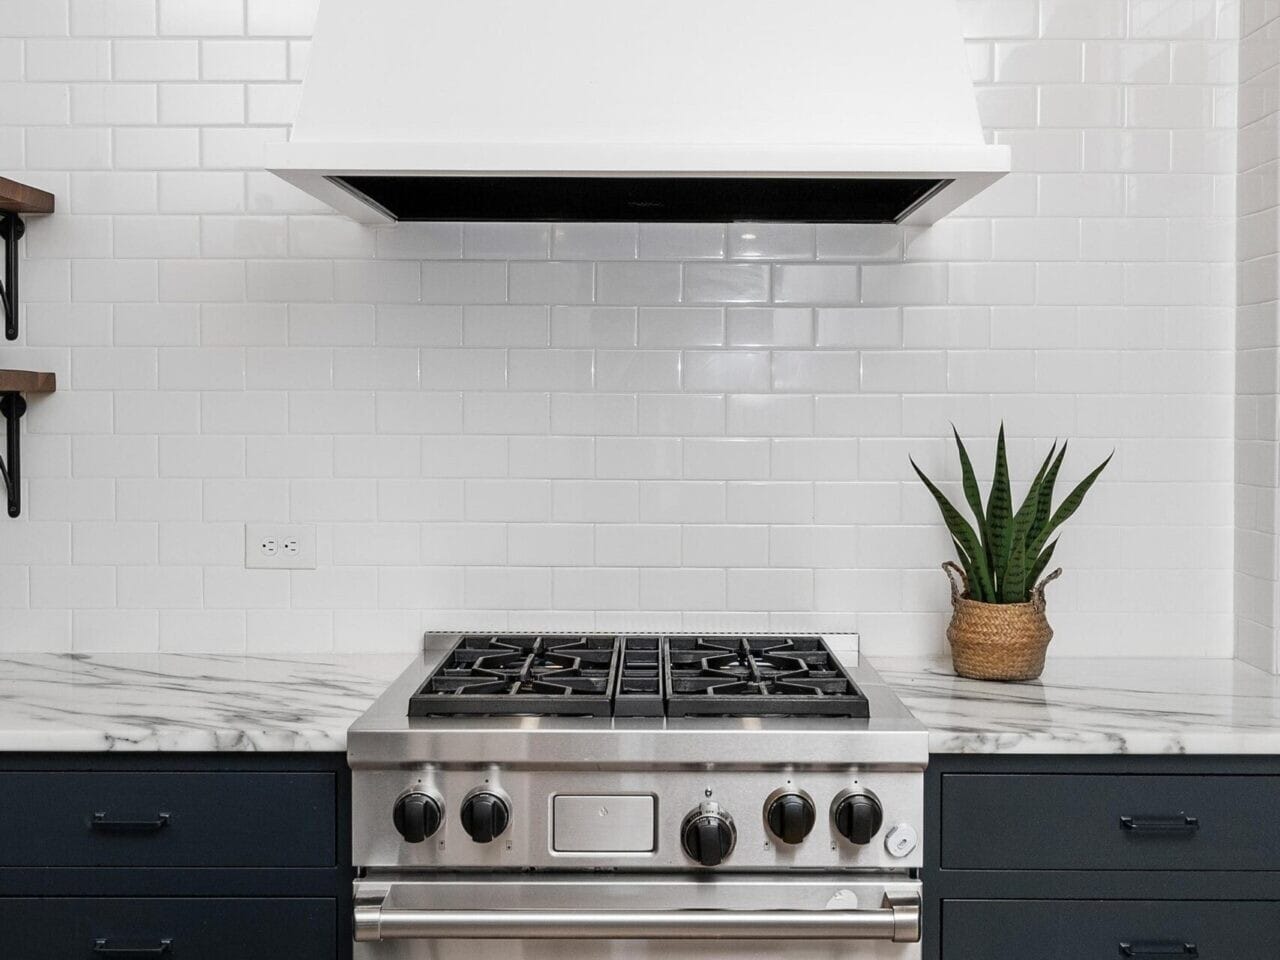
(613, 917)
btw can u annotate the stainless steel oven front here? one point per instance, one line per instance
(607, 916)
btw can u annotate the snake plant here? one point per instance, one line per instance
(1005, 556)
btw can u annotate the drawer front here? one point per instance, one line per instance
(1086, 822)
(1076, 929)
(168, 929)
(85, 819)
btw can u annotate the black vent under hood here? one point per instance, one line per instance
(650, 199)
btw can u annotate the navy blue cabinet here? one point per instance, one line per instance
(161, 928)
(175, 856)
(1147, 929)
(158, 819)
(1102, 856)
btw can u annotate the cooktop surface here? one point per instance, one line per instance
(638, 676)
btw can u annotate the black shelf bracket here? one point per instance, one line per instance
(11, 230)
(12, 407)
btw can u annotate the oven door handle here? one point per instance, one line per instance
(898, 920)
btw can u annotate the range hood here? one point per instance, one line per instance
(824, 111)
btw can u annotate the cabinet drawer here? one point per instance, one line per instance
(81, 819)
(1112, 822)
(1146, 930)
(168, 929)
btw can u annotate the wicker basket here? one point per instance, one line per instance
(997, 641)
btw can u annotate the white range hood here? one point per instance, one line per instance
(668, 110)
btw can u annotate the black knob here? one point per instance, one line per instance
(790, 817)
(708, 835)
(858, 817)
(417, 816)
(485, 817)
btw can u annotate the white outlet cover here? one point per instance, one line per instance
(257, 556)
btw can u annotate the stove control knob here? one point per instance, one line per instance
(485, 816)
(417, 816)
(790, 816)
(858, 815)
(708, 834)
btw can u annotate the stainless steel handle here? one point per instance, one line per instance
(897, 920)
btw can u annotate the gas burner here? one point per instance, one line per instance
(488, 674)
(679, 676)
(758, 676)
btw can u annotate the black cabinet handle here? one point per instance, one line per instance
(103, 948)
(101, 824)
(1180, 824)
(1153, 949)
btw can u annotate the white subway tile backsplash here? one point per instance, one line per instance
(682, 241)
(692, 415)
(611, 425)
(709, 371)
(808, 283)
(594, 241)
(727, 458)
(639, 371)
(112, 18)
(551, 282)
(638, 283)
(199, 19)
(244, 60)
(638, 458)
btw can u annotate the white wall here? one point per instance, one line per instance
(1257, 589)
(607, 426)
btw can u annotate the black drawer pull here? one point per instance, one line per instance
(1180, 825)
(103, 948)
(101, 824)
(1153, 949)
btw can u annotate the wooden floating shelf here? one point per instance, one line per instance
(27, 381)
(19, 198)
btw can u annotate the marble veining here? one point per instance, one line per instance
(175, 702)
(209, 703)
(1079, 706)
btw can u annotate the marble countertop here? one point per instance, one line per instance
(1097, 706)
(176, 702)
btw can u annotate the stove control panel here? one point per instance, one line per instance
(656, 819)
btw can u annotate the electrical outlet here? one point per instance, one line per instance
(280, 546)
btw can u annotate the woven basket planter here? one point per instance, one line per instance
(997, 641)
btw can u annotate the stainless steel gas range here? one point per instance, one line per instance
(728, 796)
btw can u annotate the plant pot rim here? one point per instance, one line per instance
(965, 598)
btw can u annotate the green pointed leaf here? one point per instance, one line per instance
(1038, 568)
(1045, 507)
(962, 533)
(999, 514)
(1068, 506)
(1014, 588)
(971, 492)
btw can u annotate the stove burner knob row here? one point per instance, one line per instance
(417, 816)
(708, 834)
(790, 817)
(858, 815)
(485, 816)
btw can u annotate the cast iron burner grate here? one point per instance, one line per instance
(535, 675)
(758, 676)
(645, 676)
